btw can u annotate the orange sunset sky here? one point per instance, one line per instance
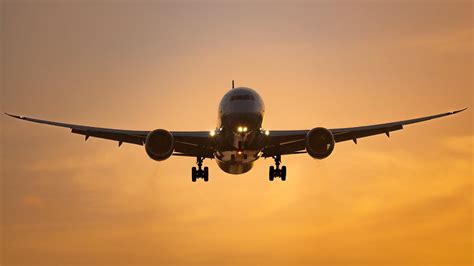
(407, 200)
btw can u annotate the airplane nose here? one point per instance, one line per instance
(243, 122)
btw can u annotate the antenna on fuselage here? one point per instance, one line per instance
(232, 84)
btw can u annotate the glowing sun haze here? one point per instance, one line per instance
(407, 200)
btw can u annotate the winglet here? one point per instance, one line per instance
(232, 84)
(458, 111)
(15, 116)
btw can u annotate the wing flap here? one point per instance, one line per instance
(292, 147)
(351, 135)
(133, 139)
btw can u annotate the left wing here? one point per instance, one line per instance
(187, 143)
(294, 141)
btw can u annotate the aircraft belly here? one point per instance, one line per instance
(235, 162)
(235, 168)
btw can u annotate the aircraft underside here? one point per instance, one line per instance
(239, 139)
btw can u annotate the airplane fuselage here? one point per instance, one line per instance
(239, 134)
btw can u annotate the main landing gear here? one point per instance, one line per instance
(199, 172)
(275, 171)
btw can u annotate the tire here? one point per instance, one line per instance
(193, 174)
(283, 173)
(271, 173)
(206, 174)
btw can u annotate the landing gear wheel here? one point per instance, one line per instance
(271, 173)
(275, 171)
(199, 172)
(283, 173)
(206, 174)
(194, 174)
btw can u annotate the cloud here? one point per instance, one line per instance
(461, 144)
(33, 201)
(458, 41)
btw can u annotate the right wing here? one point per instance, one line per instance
(294, 141)
(187, 143)
(353, 133)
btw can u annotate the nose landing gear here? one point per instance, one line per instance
(275, 171)
(199, 172)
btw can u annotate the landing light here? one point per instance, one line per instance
(212, 133)
(242, 129)
(267, 132)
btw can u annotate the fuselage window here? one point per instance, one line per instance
(242, 97)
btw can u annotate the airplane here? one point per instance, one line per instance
(239, 138)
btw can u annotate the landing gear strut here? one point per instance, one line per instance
(199, 172)
(275, 171)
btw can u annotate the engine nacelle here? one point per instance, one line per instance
(159, 144)
(319, 143)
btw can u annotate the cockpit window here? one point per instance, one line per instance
(242, 97)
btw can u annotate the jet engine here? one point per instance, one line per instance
(319, 142)
(159, 144)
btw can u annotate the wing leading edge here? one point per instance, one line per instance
(198, 143)
(187, 143)
(293, 141)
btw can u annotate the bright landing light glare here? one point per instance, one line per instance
(242, 129)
